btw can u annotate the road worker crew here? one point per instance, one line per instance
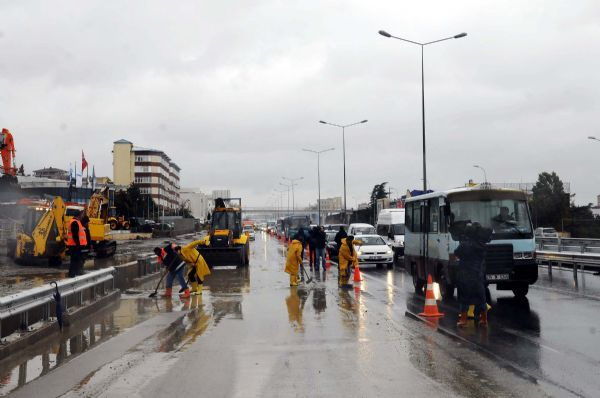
(76, 241)
(347, 256)
(197, 269)
(294, 259)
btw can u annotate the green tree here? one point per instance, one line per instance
(378, 192)
(21, 170)
(550, 202)
(132, 203)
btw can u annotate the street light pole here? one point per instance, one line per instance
(458, 36)
(292, 184)
(484, 173)
(288, 196)
(318, 153)
(343, 127)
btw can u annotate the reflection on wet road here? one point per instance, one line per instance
(251, 335)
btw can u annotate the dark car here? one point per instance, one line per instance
(330, 244)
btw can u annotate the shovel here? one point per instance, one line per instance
(157, 285)
(309, 279)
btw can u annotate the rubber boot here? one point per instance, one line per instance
(471, 312)
(293, 280)
(483, 319)
(168, 292)
(199, 289)
(462, 320)
(194, 287)
(186, 293)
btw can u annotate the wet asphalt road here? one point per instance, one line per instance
(251, 335)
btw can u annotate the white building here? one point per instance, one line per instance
(331, 204)
(198, 202)
(151, 169)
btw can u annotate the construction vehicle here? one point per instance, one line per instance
(97, 211)
(44, 233)
(225, 243)
(7, 151)
(117, 222)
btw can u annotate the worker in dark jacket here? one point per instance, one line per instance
(76, 242)
(339, 236)
(471, 271)
(312, 245)
(175, 267)
(320, 243)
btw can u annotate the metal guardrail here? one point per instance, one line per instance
(575, 245)
(38, 299)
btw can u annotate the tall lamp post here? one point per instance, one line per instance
(458, 36)
(318, 153)
(288, 196)
(292, 184)
(482, 169)
(343, 127)
(280, 191)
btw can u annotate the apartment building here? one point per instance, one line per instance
(151, 169)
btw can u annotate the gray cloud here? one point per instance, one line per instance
(233, 90)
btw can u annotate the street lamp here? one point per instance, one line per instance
(288, 196)
(484, 173)
(343, 127)
(591, 137)
(281, 191)
(458, 36)
(318, 153)
(292, 184)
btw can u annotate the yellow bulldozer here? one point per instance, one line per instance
(44, 233)
(225, 243)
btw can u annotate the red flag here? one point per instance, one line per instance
(83, 162)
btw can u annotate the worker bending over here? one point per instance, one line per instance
(347, 255)
(175, 266)
(294, 258)
(197, 269)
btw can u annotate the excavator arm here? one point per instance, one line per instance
(55, 218)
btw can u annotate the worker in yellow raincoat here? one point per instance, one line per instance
(347, 256)
(294, 259)
(197, 269)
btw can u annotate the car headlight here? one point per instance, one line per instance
(358, 252)
(389, 252)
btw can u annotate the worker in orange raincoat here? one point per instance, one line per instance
(197, 269)
(347, 256)
(294, 259)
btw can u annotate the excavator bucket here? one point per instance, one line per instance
(223, 256)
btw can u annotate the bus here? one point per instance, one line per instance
(433, 224)
(292, 224)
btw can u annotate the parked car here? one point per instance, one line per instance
(546, 232)
(249, 230)
(374, 250)
(390, 226)
(361, 229)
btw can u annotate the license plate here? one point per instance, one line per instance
(497, 277)
(375, 258)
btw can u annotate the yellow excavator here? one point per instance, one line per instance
(44, 233)
(97, 211)
(225, 244)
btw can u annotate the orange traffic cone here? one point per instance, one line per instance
(327, 261)
(357, 274)
(431, 308)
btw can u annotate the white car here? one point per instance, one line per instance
(360, 229)
(248, 230)
(373, 250)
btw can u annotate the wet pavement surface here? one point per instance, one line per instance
(251, 335)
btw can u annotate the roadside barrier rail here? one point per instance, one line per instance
(578, 245)
(20, 310)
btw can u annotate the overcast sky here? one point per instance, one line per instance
(233, 90)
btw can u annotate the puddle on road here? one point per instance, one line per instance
(42, 357)
(222, 299)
